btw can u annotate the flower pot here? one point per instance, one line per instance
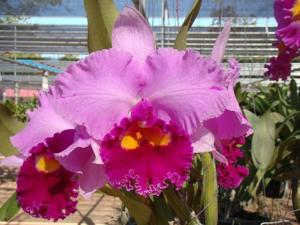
(275, 189)
(244, 218)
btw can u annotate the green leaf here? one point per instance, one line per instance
(277, 117)
(180, 42)
(253, 119)
(138, 210)
(9, 208)
(256, 181)
(161, 211)
(101, 16)
(263, 141)
(8, 127)
(294, 95)
(135, 205)
(180, 207)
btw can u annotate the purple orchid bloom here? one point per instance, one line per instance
(230, 176)
(133, 111)
(124, 93)
(280, 67)
(287, 15)
(49, 140)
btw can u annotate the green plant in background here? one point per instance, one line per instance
(19, 110)
(273, 150)
(9, 126)
(12, 119)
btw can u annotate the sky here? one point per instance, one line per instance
(73, 12)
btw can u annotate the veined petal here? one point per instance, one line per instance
(81, 161)
(186, 86)
(75, 157)
(204, 141)
(99, 90)
(78, 153)
(44, 122)
(231, 124)
(287, 16)
(132, 33)
(282, 13)
(220, 44)
(88, 184)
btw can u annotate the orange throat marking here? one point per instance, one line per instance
(296, 10)
(46, 164)
(137, 134)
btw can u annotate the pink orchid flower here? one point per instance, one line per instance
(280, 67)
(287, 15)
(124, 94)
(133, 110)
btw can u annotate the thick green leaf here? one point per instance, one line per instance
(253, 119)
(263, 141)
(161, 211)
(294, 95)
(180, 207)
(180, 42)
(135, 205)
(256, 181)
(9, 209)
(277, 117)
(8, 127)
(101, 16)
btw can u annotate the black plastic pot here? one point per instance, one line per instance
(275, 189)
(244, 218)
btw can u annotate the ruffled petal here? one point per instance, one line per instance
(290, 34)
(78, 153)
(288, 18)
(138, 158)
(44, 122)
(49, 195)
(79, 157)
(99, 90)
(132, 33)
(75, 158)
(230, 175)
(231, 123)
(220, 44)
(186, 86)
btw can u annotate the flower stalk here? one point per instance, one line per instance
(210, 190)
(180, 208)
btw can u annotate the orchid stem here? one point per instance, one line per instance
(180, 208)
(210, 190)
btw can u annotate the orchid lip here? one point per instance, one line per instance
(144, 151)
(140, 134)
